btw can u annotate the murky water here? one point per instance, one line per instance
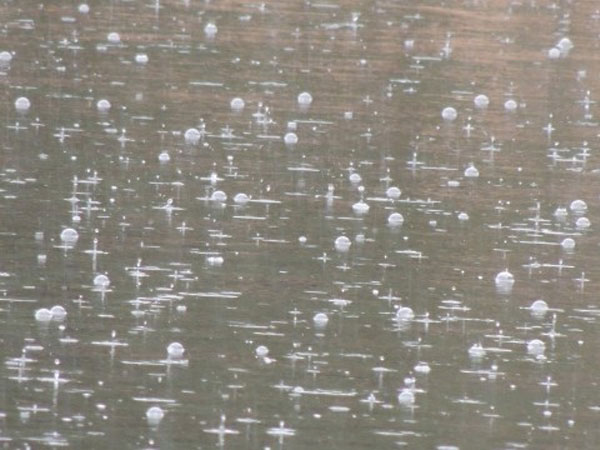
(299, 225)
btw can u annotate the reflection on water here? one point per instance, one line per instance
(297, 224)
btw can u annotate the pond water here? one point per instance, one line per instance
(298, 224)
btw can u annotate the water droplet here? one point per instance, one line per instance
(305, 99)
(471, 172)
(210, 29)
(406, 397)
(536, 347)
(69, 235)
(237, 104)
(141, 58)
(43, 315)
(510, 105)
(481, 101)
(261, 351)
(395, 219)
(191, 136)
(360, 207)
(393, 193)
(103, 105)
(241, 199)
(476, 351)
(101, 281)
(22, 104)
(218, 196)
(554, 53)
(5, 57)
(113, 37)
(320, 319)
(342, 244)
(404, 314)
(568, 243)
(175, 350)
(290, 138)
(583, 223)
(164, 157)
(154, 415)
(83, 8)
(449, 114)
(578, 206)
(539, 308)
(58, 312)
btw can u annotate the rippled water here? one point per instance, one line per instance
(298, 225)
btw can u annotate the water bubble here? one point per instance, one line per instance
(554, 53)
(578, 206)
(404, 314)
(360, 207)
(481, 101)
(103, 105)
(290, 138)
(305, 99)
(43, 315)
(422, 367)
(241, 199)
(210, 29)
(164, 157)
(320, 319)
(237, 104)
(22, 104)
(69, 235)
(539, 308)
(471, 172)
(564, 45)
(175, 350)
(58, 312)
(5, 57)
(342, 244)
(218, 196)
(583, 222)
(83, 8)
(215, 261)
(302, 239)
(536, 347)
(355, 178)
(476, 351)
(154, 415)
(510, 105)
(449, 113)
(393, 193)
(261, 351)
(141, 58)
(505, 278)
(568, 243)
(191, 136)
(113, 37)
(395, 219)
(101, 281)
(561, 212)
(406, 397)
(463, 216)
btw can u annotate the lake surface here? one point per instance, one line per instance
(297, 224)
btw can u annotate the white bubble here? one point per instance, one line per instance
(355, 178)
(305, 99)
(536, 347)
(237, 104)
(101, 281)
(175, 350)
(583, 223)
(422, 367)
(43, 315)
(5, 57)
(103, 105)
(564, 45)
(405, 313)
(241, 199)
(261, 351)
(113, 37)
(22, 104)
(395, 219)
(218, 196)
(568, 243)
(342, 244)
(154, 415)
(320, 319)
(406, 397)
(210, 29)
(141, 58)
(360, 207)
(471, 172)
(481, 101)
(302, 239)
(463, 216)
(58, 312)
(164, 157)
(578, 206)
(83, 8)
(561, 212)
(539, 308)
(69, 235)
(476, 351)
(393, 193)
(510, 105)
(290, 138)
(215, 261)
(554, 53)
(449, 113)
(191, 136)
(505, 278)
